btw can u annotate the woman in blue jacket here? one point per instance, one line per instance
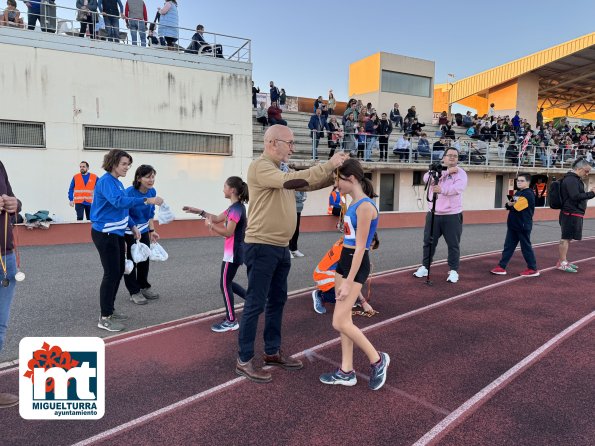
(137, 281)
(110, 217)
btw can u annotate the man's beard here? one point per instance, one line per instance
(83, 171)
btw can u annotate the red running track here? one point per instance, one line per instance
(490, 360)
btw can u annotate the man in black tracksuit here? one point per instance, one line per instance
(574, 204)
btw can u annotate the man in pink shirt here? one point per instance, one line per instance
(448, 220)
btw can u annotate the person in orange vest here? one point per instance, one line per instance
(540, 189)
(324, 278)
(80, 193)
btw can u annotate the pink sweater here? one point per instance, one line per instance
(450, 200)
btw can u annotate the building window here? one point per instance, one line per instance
(410, 84)
(151, 140)
(22, 134)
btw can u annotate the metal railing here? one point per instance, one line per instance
(471, 153)
(64, 21)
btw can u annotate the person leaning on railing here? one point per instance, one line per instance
(11, 15)
(87, 16)
(135, 14)
(34, 14)
(169, 23)
(111, 10)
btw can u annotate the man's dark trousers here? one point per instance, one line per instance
(82, 210)
(268, 267)
(510, 243)
(449, 226)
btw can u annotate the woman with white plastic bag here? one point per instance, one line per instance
(137, 282)
(110, 217)
(234, 226)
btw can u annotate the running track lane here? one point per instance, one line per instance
(442, 359)
(178, 368)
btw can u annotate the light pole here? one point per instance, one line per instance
(449, 85)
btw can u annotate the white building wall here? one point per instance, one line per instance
(68, 90)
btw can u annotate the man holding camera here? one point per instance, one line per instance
(448, 215)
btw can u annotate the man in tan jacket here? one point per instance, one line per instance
(271, 223)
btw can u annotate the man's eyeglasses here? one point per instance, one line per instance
(289, 143)
(452, 156)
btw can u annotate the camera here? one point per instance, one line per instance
(437, 167)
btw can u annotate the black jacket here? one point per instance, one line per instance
(574, 197)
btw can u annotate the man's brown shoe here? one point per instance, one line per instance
(253, 372)
(8, 400)
(280, 360)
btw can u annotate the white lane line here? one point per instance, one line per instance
(399, 392)
(308, 353)
(157, 413)
(481, 397)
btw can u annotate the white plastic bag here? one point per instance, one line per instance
(128, 266)
(165, 215)
(158, 254)
(140, 252)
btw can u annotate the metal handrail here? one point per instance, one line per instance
(233, 47)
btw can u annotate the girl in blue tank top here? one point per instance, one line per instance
(361, 220)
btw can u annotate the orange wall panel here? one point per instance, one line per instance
(504, 96)
(364, 75)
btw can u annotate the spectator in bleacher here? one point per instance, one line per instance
(135, 15)
(261, 115)
(439, 147)
(371, 128)
(89, 20)
(350, 142)
(416, 127)
(350, 109)
(254, 91)
(34, 14)
(283, 100)
(395, 116)
(409, 117)
(448, 131)
(324, 112)
(317, 125)
(169, 23)
(402, 147)
(111, 10)
(459, 119)
(274, 114)
(423, 145)
(385, 128)
(443, 119)
(318, 102)
(200, 46)
(540, 118)
(361, 142)
(274, 92)
(516, 122)
(468, 120)
(491, 111)
(335, 135)
(331, 102)
(11, 15)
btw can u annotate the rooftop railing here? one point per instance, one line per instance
(75, 23)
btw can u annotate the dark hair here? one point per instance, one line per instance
(200, 27)
(526, 176)
(85, 163)
(112, 159)
(240, 186)
(353, 167)
(142, 171)
(12, 3)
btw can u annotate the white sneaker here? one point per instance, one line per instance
(422, 271)
(297, 253)
(453, 276)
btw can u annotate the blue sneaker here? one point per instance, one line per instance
(225, 326)
(339, 377)
(318, 307)
(378, 375)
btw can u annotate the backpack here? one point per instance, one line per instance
(555, 194)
